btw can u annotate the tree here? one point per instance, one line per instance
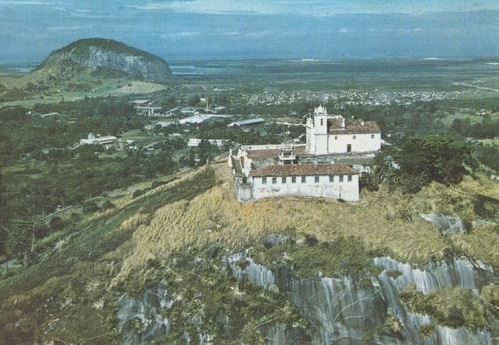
(193, 100)
(169, 102)
(206, 152)
(90, 207)
(433, 158)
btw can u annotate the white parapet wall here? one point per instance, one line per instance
(324, 187)
(269, 147)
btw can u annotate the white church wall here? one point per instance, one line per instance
(310, 138)
(361, 143)
(321, 144)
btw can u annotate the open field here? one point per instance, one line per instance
(316, 75)
(471, 78)
(104, 89)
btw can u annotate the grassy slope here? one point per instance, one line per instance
(82, 267)
(386, 222)
(114, 250)
(59, 91)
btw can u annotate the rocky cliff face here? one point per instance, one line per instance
(107, 57)
(341, 310)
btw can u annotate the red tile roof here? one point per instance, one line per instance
(262, 154)
(357, 127)
(304, 170)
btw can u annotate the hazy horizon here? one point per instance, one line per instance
(283, 29)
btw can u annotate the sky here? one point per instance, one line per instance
(249, 29)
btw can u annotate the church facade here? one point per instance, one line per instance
(336, 152)
(328, 135)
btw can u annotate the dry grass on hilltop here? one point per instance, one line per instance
(386, 222)
(216, 217)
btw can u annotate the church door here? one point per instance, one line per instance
(349, 148)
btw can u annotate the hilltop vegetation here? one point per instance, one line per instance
(80, 47)
(107, 58)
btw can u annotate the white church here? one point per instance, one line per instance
(331, 135)
(336, 152)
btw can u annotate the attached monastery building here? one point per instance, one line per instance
(327, 166)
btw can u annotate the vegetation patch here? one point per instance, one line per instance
(454, 308)
(344, 256)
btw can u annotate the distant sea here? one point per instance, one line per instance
(17, 69)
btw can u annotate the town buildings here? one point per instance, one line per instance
(248, 122)
(107, 141)
(336, 153)
(146, 107)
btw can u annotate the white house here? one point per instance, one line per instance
(194, 142)
(199, 118)
(148, 110)
(334, 135)
(107, 141)
(247, 122)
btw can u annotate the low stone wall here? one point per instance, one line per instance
(244, 191)
(269, 146)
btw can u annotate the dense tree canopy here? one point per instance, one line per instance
(421, 160)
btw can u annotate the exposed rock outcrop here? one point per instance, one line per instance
(108, 58)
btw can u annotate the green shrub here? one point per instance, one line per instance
(450, 307)
(106, 205)
(90, 207)
(427, 330)
(139, 192)
(345, 256)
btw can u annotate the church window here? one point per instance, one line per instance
(322, 122)
(316, 179)
(274, 180)
(303, 179)
(264, 180)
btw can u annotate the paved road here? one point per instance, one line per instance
(477, 87)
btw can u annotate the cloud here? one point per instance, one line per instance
(70, 28)
(181, 34)
(220, 34)
(318, 8)
(11, 3)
